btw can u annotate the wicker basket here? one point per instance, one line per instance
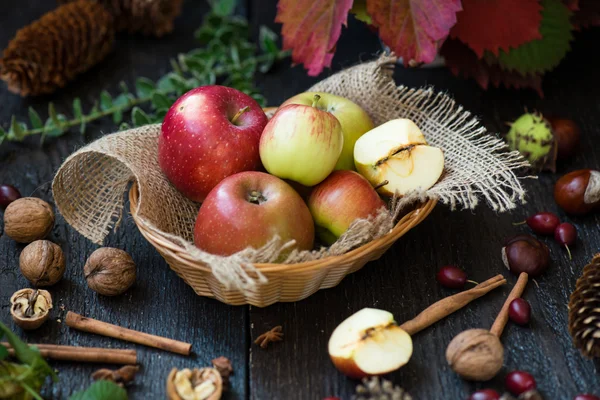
(286, 282)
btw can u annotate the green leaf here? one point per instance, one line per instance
(544, 54)
(24, 353)
(101, 390)
(51, 129)
(160, 100)
(165, 85)
(267, 40)
(123, 87)
(16, 129)
(3, 352)
(124, 126)
(139, 117)
(77, 112)
(105, 100)
(359, 9)
(121, 102)
(144, 87)
(53, 115)
(223, 8)
(34, 118)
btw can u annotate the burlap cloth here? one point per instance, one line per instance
(89, 187)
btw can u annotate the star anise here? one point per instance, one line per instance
(223, 365)
(274, 335)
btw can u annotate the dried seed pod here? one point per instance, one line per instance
(109, 271)
(197, 384)
(51, 51)
(149, 17)
(28, 219)
(475, 354)
(30, 308)
(223, 365)
(584, 310)
(121, 376)
(42, 263)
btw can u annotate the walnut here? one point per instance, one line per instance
(109, 271)
(42, 263)
(30, 308)
(475, 354)
(196, 384)
(28, 219)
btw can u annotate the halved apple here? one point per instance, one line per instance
(369, 343)
(395, 158)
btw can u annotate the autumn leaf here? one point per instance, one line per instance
(588, 14)
(413, 29)
(311, 30)
(359, 9)
(493, 25)
(463, 62)
(573, 5)
(543, 54)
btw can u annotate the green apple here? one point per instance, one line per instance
(301, 143)
(354, 120)
(395, 158)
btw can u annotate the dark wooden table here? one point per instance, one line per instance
(402, 281)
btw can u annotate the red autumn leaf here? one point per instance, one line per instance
(463, 62)
(573, 5)
(311, 29)
(588, 14)
(498, 24)
(413, 28)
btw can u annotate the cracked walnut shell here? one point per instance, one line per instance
(42, 263)
(109, 271)
(28, 219)
(197, 384)
(30, 308)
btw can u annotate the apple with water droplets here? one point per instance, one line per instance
(208, 134)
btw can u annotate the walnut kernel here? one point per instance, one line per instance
(109, 271)
(42, 263)
(196, 384)
(30, 308)
(28, 219)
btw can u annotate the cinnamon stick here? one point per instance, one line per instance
(90, 325)
(450, 304)
(502, 317)
(84, 354)
(62, 347)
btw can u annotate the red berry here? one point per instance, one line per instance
(518, 382)
(485, 394)
(586, 397)
(452, 277)
(566, 235)
(543, 223)
(8, 194)
(519, 311)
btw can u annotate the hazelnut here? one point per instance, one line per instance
(42, 263)
(109, 271)
(475, 354)
(30, 308)
(28, 219)
(196, 384)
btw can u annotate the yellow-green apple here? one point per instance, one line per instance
(396, 158)
(369, 343)
(354, 120)
(209, 133)
(248, 209)
(339, 200)
(301, 143)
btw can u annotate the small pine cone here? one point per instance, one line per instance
(48, 53)
(375, 389)
(584, 310)
(149, 17)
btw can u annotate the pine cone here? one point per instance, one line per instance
(51, 51)
(584, 310)
(150, 17)
(374, 389)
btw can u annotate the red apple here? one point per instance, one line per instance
(208, 134)
(247, 210)
(339, 200)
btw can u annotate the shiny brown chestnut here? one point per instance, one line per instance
(567, 136)
(578, 192)
(524, 253)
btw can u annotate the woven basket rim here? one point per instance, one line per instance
(407, 222)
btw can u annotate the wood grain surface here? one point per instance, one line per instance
(402, 281)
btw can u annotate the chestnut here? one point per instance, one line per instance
(578, 192)
(567, 136)
(524, 253)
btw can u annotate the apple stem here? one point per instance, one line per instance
(316, 100)
(382, 184)
(237, 115)
(255, 197)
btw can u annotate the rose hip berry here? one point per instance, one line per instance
(518, 382)
(566, 235)
(8, 194)
(519, 311)
(452, 277)
(586, 397)
(485, 394)
(543, 223)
